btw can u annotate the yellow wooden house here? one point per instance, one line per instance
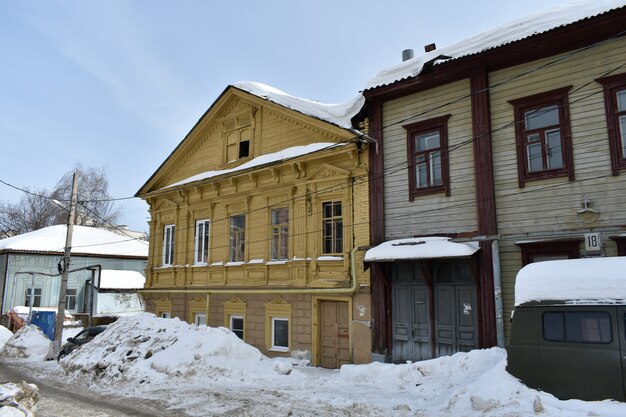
(259, 221)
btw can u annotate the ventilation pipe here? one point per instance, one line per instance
(407, 54)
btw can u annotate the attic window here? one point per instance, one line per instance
(237, 138)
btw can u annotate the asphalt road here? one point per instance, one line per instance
(67, 400)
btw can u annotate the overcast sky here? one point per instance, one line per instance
(118, 84)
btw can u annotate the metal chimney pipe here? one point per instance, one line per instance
(407, 54)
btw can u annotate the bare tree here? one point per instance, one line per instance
(95, 207)
(32, 212)
(41, 208)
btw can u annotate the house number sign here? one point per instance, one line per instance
(593, 242)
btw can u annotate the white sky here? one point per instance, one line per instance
(119, 83)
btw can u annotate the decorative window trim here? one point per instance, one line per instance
(557, 97)
(235, 239)
(235, 307)
(196, 306)
(440, 124)
(202, 247)
(611, 85)
(169, 240)
(281, 231)
(338, 243)
(569, 248)
(278, 309)
(237, 135)
(163, 308)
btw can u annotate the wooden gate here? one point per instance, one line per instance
(335, 334)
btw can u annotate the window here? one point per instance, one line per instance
(427, 147)
(238, 135)
(237, 238)
(168, 244)
(70, 299)
(201, 249)
(165, 314)
(542, 130)
(577, 327)
(236, 326)
(332, 228)
(280, 232)
(615, 103)
(549, 251)
(36, 297)
(280, 334)
(199, 319)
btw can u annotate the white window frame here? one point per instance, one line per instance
(276, 348)
(70, 296)
(169, 233)
(199, 319)
(166, 314)
(237, 316)
(202, 242)
(37, 296)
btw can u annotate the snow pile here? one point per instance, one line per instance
(147, 349)
(18, 400)
(29, 342)
(5, 334)
(578, 280)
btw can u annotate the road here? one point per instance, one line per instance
(65, 400)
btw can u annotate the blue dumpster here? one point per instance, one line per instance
(45, 320)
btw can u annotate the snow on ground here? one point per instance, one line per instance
(209, 371)
(5, 334)
(29, 342)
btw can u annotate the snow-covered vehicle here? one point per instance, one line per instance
(568, 330)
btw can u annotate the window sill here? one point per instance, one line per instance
(278, 349)
(330, 258)
(418, 192)
(276, 262)
(234, 263)
(199, 264)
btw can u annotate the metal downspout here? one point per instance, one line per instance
(497, 292)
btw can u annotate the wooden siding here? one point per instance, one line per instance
(549, 208)
(436, 213)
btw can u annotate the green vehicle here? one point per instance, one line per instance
(568, 329)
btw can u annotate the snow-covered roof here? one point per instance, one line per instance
(282, 155)
(502, 35)
(338, 114)
(121, 280)
(85, 240)
(420, 248)
(581, 280)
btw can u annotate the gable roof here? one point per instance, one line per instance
(338, 115)
(517, 30)
(85, 241)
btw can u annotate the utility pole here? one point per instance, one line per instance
(58, 328)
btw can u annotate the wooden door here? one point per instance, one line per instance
(335, 334)
(411, 323)
(455, 319)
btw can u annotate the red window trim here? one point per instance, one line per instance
(437, 123)
(561, 247)
(558, 97)
(611, 85)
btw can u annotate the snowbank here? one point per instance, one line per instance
(29, 342)
(18, 400)
(147, 349)
(5, 334)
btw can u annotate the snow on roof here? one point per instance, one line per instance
(338, 114)
(284, 154)
(419, 248)
(85, 240)
(117, 279)
(502, 35)
(590, 279)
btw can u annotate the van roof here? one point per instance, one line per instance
(590, 280)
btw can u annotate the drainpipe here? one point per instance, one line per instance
(32, 297)
(497, 292)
